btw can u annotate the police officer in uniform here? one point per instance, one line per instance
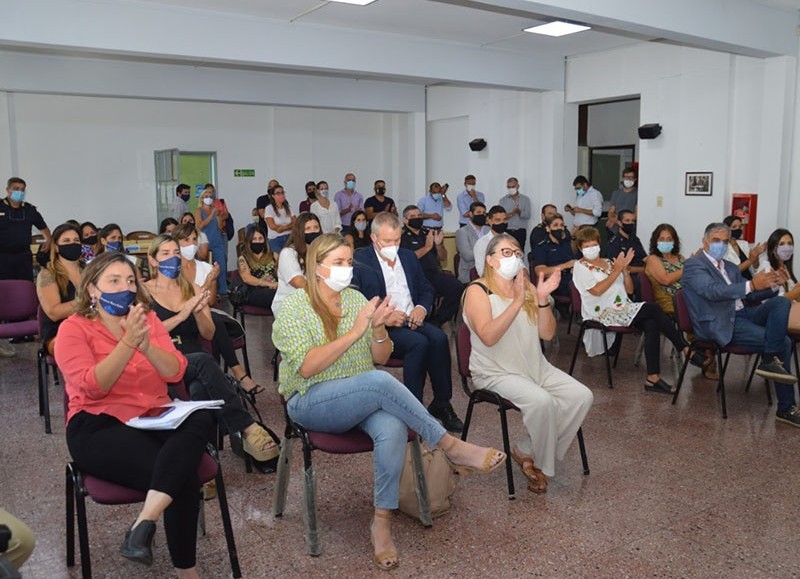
(624, 240)
(16, 219)
(554, 252)
(428, 245)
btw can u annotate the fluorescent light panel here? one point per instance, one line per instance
(356, 2)
(557, 28)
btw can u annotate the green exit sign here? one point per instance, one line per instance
(244, 172)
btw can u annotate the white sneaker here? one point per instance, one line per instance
(7, 352)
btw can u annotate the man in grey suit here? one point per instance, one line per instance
(466, 238)
(715, 293)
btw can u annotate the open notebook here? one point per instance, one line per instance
(171, 416)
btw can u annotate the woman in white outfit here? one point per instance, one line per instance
(507, 317)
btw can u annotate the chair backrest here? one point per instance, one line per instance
(682, 313)
(19, 300)
(137, 235)
(473, 274)
(646, 288)
(463, 350)
(577, 303)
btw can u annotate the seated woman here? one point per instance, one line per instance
(257, 270)
(357, 235)
(292, 260)
(57, 282)
(739, 250)
(509, 316)
(111, 239)
(117, 358)
(90, 244)
(202, 238)
(604, 286)
(554, 254)
(183, 309)
(167, 225)
(330, 337)
(780, 249)
(279, 219)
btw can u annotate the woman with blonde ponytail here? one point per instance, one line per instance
(507, 316)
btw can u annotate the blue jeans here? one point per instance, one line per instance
(275, 245)
(763, 329)
(381, 406)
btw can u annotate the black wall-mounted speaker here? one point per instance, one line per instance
(650, 131)
(477, 144)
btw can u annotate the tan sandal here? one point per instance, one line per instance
(259, 445)
(537, 481)
(385, 560)
(493, 460)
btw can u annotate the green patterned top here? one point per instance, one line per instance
(298, 329)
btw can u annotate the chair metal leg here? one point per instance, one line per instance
(245, 356)
(582, 448)
(44, 393)
(310, 498)
(619, 347)
(468, 418)
(40, 376)
(682, 374)
(752, 373)
(275, 365)
(769, 394)
(421, 487)
(241, 318)
(507, 449)
(201, 516)
(83, 532)
(225, 513)
(637, 358)
(70, 487)
(282, 477)
(721, 387)
(569, 323)
(607, 358)
(575, 351)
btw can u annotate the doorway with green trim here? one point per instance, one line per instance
(197, 169)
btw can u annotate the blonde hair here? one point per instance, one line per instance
(317, 251)
(187, 289)
(93, 272)
(530, 305)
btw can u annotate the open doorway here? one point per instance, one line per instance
(173, 166)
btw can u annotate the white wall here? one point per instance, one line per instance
(614, 123)
(91, 158)
(727, 114)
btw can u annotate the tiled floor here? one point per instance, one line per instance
(674, 491)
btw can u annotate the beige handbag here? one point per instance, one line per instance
(439, 480)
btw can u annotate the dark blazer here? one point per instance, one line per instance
(368, 277)
(711, 301)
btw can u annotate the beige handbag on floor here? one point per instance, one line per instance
(439, 480)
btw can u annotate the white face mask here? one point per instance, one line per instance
(512, 190)
(188, 252)
(470, 187)
(339, 278)
(628, 183)
(390, 252)
(509, 267)
(591, 253)
(323, 193)
(207, 201)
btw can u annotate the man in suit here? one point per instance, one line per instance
(466, 238)
(715, 292)
(386, 269)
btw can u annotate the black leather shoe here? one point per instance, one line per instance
(138, 543)
(448, 417)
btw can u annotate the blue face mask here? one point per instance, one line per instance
(665, 246)
(437, 196)
(351, 185)
(717, 250)
(17, 196)
(579, 191)
(170, 267)
(117, 303)
(113, 246)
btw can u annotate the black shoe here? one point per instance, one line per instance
(659, 387)
(447, 416)
(773, 370)
(138, 543)
(22, 339)
(789, 416)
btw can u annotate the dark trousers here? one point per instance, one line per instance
(425, 351)
(222, 343)
(763, 329)
(449, 289)
(205, 381)
(652, 320)
(161, 460)
(260, 297)
(16, 265)
(521, 235)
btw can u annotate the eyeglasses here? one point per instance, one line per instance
(508, 252)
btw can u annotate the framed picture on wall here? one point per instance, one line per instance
(699, 183)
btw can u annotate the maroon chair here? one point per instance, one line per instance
(44, 362)
(473, 274)
(595, 325)
(557, 299)
(685, 326)
(351, 442)
(18, 308)
(456, 263)
(477, 396)
(81, 485)
(646, 289)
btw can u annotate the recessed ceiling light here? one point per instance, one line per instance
(557, 28)
(356, 2)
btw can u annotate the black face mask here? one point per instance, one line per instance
(415, 222)
(559, 234)
(91, 240)
(70, 251)
(736, 233)
(185, 197)
(258, 247)
(311, 194)
(310, 237)
(479, 220)
(500, 227)
(380, 191)
(629, 228)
